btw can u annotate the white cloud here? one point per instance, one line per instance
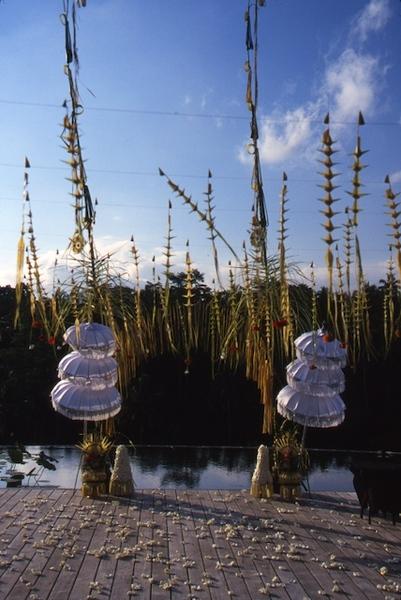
(280, 140)
(282, 136)
(351, 85)
(372, 18)
(395, 177)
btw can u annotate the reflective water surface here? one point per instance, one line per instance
(192, 467)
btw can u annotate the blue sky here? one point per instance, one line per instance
(143, 58)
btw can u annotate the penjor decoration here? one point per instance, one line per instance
(315, 380)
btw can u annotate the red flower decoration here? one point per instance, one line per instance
(187, 361)
(313, 367)
(397, 333)
(343, 345)
(280, 323)
(37, 324)
(327, 337)
(51, 341)
(255, 328)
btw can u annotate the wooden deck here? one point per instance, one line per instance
(212, 545)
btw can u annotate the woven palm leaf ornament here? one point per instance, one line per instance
(357, 167)
(390, 293)
(260, 221)
(21, 248)
(394, 211)
(342, 309)
(84, 209)
(328, 201)
(211, 225)
(361, 343)
(285, 323)
(348, 247)
(165, 297)
(36, 288)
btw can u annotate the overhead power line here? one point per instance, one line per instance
(156, 174)
(197, 115)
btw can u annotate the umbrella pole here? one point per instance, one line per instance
(303, 436)
(85, 428)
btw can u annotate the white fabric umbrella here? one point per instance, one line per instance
(311, 380)
(96, 373)
(93, 340)
(83, 403)
(315, 380)
(310, 410)
(312, 349)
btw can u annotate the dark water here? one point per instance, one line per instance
(194, 467)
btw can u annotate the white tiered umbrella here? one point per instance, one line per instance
(315, 381)
(91, 339)
(314, 350)
(310, 379)
(86, 391)
(98, 374)
(83, 403)
(310, 410)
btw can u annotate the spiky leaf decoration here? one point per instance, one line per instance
(395, 225)
(357, 167)
(328, 186)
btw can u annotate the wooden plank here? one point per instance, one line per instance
(212, 580)
(32, 508)
(181, 536)
(192, 559)
(119, 538)
(58, 535)
(318, 525)
(362, 552)
(127, 572)
(95, 518)
(237, 537)
(178, 571)
(162, 582)
(255, 555)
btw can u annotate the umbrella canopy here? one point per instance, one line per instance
(314, 381)
(314, 349)
(319, 382)
(93, 340)
(310, 410)
(80, 402)
(98, 373)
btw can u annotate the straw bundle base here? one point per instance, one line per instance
(261, 490)
(94, 483)
(94, 489)
(290, 485)
(124, 489)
